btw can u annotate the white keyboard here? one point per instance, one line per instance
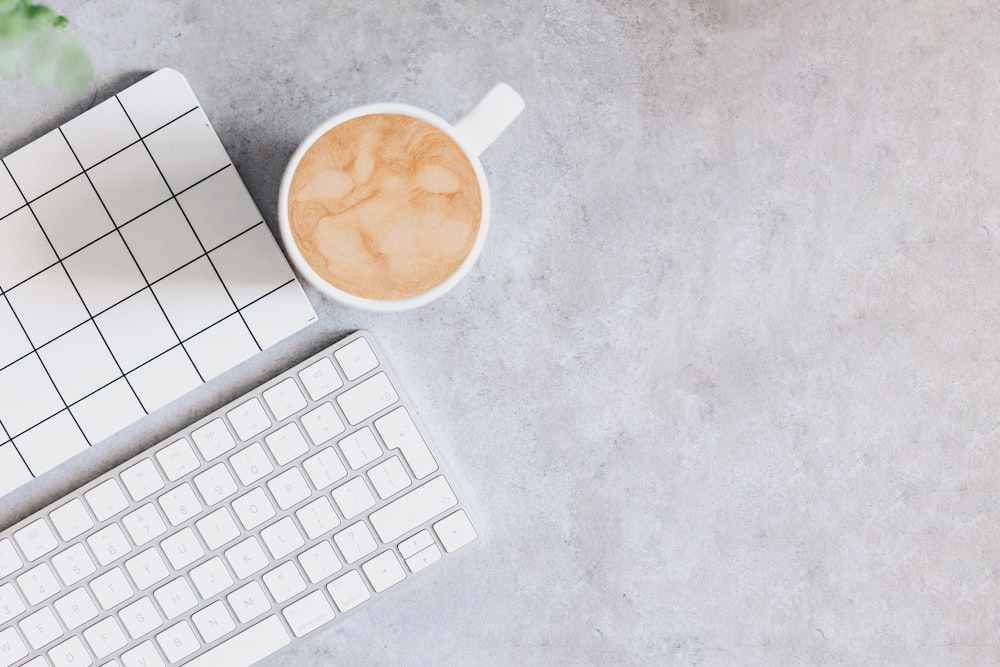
(256, 526)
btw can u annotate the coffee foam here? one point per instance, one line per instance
(384, 206)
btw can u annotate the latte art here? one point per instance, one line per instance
(384, 206)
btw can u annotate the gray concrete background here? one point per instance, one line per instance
(724, 382)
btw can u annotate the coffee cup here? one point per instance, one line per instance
(385, 207)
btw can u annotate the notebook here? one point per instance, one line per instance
(134, 266)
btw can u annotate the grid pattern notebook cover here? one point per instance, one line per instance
(134, 266)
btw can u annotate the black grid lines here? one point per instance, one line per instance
(144, 278)
(133, 267)
(200, 243)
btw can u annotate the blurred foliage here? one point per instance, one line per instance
(30, 41)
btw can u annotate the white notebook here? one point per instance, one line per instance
(134, 266)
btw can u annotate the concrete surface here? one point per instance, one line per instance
(724, 382)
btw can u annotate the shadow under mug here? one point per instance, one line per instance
(473, 134)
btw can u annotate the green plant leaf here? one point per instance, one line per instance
(74, 71)
(29, 42)
(10, 61)
(43, 58)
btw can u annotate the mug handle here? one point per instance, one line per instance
(480, 127)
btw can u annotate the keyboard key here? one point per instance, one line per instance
(40, 661)
(12, 647)
(410, 546)
(76, 608)
(318, 517)
(384, 571)
(367, 399)
(249, 419)
(143, 655)
(38, 584)
(287, 444)
(214, 621)
(105, 637)
(309, 613)
(71, 653)
(111, 588)
(360, 448)
(423, 558)
(284, 399)
(73, 564)
(253, 509)
(248, 647)
(356, 358)
(246, 557)
(355, 542)
(10, 562)
(406, 513)
(109, 544)
(455, 531)
(71, 520)
(41, 628)
(142, 480)
(147, 568)
(399, 432)
(348, 591)
(389, 477)
(285, 582)
(176, 597)
(177, 459)
(211, 578)
(140, 617)
(320, 562)
(213, 439)
(36, 539)
(353, 498)
(106, 499)
(10, 602)
(144, 524)
(178, 641)
(249, 602)
(182, 548)
(321, 379)
(322, 424)
(324, 468)
(289, 488)
(215, 484)
(218, 528)
(251, 463)
(180, 504)
(282, 538)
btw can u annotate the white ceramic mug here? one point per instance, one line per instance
(473, 133)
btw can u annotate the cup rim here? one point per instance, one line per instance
(346, 298)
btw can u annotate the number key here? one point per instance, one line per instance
(180, 504)
(251, 463)
(108, 544)
(215, 484)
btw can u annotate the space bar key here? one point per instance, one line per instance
(248, 647)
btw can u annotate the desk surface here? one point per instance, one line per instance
(724, 381)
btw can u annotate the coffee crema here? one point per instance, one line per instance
(384, 206)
